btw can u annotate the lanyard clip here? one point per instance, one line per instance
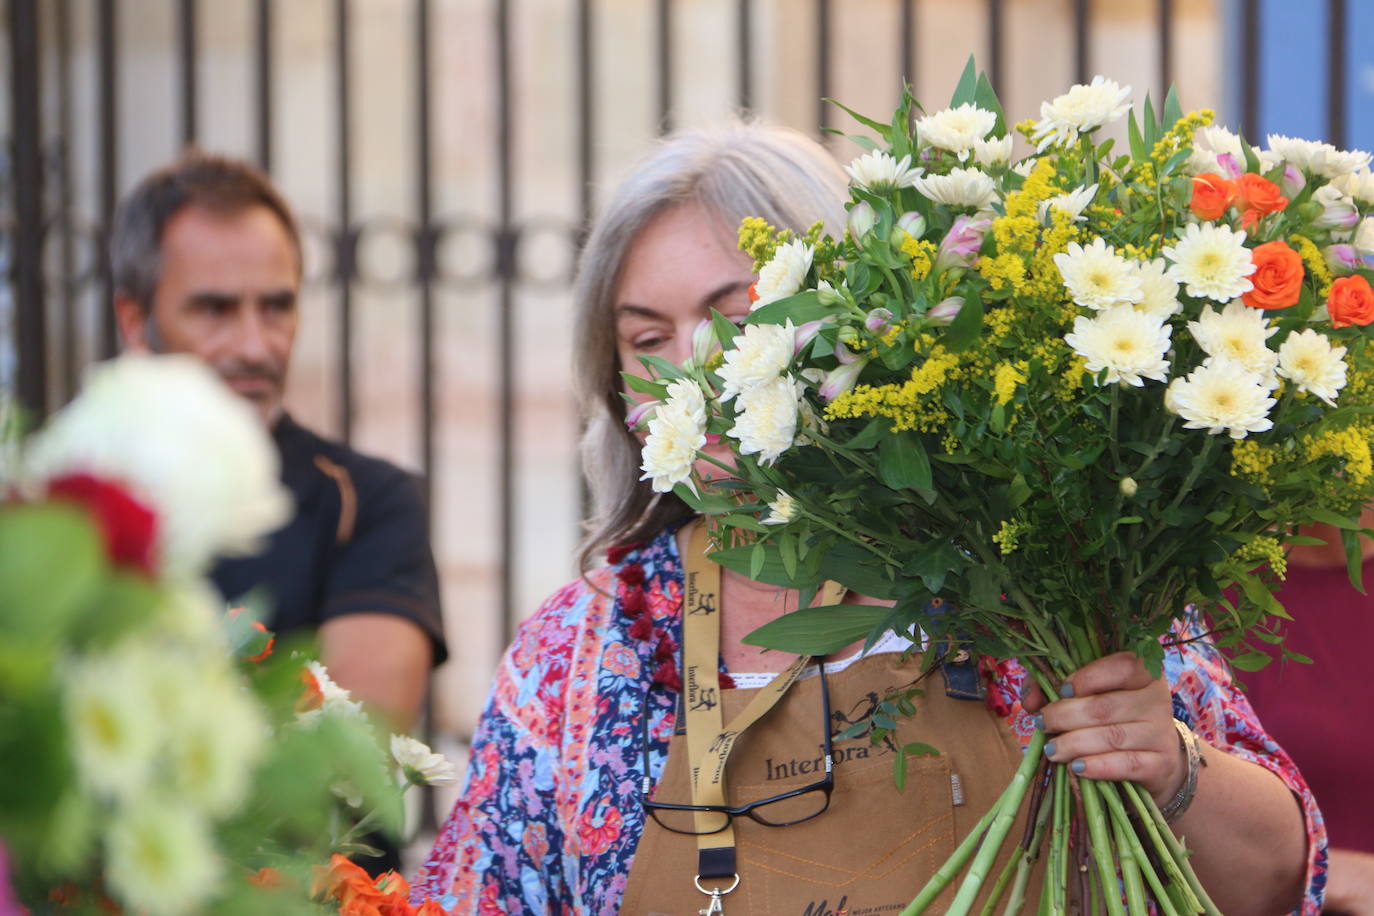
(715, 908)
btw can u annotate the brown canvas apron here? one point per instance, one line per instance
(874, 847)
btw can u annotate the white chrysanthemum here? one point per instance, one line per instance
(1238, 333)
(1130, 344)
(213, 755)
(676, 432)
(1158, 290)
(421, 765)
(1221, 396)
(1072, 203)
(1318, 158)
(1363, 239)
(1096, 276)
(992, 153)
(1211, 262)
(960, 188)
(878, 171)
(781, 510)
(767, 421)
(956, 129)
(162, 859)
(1211, 142)
(1308, 360)
(1025, 166)
(115, 739)
(760, 354)
(184, 444)
(1082, 109)
(1359, 185)
(784, 275)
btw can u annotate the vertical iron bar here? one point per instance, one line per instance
(586, 123)
(822, 67)
(108, 38)
(1335, 72)
(1249, 69)
(263, 83)
(744, 50)
(344, 256)
(30, 310)
(66, 222)
(995, 46)
(423, 211)
(505, 324)
(1080, 41)
(1166, 47)
(908, 43)
(664, 35)
(188, 72)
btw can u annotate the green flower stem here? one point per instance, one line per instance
(1145, 803)
(1007, 808)
(1111, 794)
(1115, 446)
(1127, 858)
(946, 872)
(1026, 858)
(1173, 867)
(1102, 852)
(1003, 880)
(1056, 874)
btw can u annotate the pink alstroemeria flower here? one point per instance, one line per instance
(1292, 181)
(805, 334)
(1230, 168)
(878, 321)
(961, 244)
(945, 311)
(843, 377)
(641, 412)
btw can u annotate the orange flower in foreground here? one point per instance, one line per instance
(1257, 196)
(312, 698)
(1351, 301)
(1277, 278)
(1212, 194)
(329, 880)
(257, 625)
(266, 877)
(431, 908)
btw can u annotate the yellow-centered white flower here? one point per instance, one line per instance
(1131, 345)
(1221, 396)
(115, 739)
(1359, 185)
(956, 129)
(784, 275)
(761, 354)
(1238, 333)
(1211, 262)
(421, 765)
(960, 188)
(1308, 360)
(676, 432)
(1363, 238)
(1096, 276)
(879, 171)
(213, 754)
(1082, 109)
(1072, 203)
(161, 858)
(781, 510)
(766, 424)
(1318, 158)
(1158, 290)
(992, 153)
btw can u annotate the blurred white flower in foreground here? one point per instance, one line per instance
(421, 765)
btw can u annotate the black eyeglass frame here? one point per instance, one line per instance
(826, 784)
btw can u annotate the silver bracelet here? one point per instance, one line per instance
(1192, 748)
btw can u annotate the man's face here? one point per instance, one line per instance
(227, 294)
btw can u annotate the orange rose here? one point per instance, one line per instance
(431, 907)
(1277, 278)
(1351, 302)
(1256, 196)
(329, 880)
(266, 877)
(1212, 194)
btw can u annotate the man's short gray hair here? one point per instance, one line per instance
(732, 171)
(217, 183)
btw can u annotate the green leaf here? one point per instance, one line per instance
(1139, 151)
(801, 308)
(966, 91)
(770, 571)
(984, 589)
(933, 563)
(52, 564)
(881, 128)
(1173, 111)
(726, 330)
(1326, 516)
(1019, 491)
(903, 462)
(1354, 559)
(818, 630)
(967, 326)
(1251, 661)
(661, 367)
(869, 436)
(899, 771)
(756, 558)
(787, 549)
(656, 390)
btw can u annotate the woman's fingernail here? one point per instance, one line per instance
(1078, 766)
(1066, 690)
(1039, 722)
(1049, 749)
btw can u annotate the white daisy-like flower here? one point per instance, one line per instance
(760, 354)
(1025, 166)
(781, 510)
(766, 424)
(1364, 236)
(1130, 344)
(337, 700)
(162, 858)
(1082, 109)
(420, 765)
(878, 171)
(956, 129)
(1221, 396)
(1210, 143)
(676, 432)
(992, 153)
(1309, 361)
(784, 275)
(1211, 262)
(960, 188)
(1359, 185)
(1072, 203)
(1096, 276)
(1238, 333)
(114, 738)
(213, 757)
(1318, 158)
(1158, 290)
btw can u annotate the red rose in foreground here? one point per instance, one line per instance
(127, 525)
(1351, 301)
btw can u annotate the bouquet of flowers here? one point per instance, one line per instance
(156, 754)
(1070, 394)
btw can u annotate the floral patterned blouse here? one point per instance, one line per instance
(550, 816)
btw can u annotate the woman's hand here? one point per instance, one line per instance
(1114, 721)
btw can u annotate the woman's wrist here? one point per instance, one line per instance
(1173, 804)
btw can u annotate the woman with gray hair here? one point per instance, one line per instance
(598, 779)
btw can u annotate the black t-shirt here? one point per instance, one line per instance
(358, 543)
